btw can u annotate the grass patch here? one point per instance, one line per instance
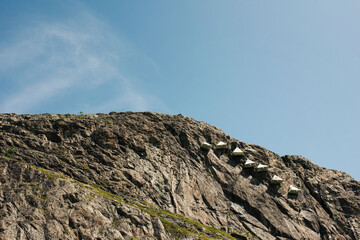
(85, 166)
(103, 182)
(41, 198)
(89, 197)
(178, 231)
(249, 235)
(10, 152)
(50, 174)
(63, 150)
(175, 230)
(47, 213)
(340, 228)
(30, 183)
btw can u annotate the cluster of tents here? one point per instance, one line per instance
(249, 163)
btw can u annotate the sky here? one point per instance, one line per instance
(281, 74)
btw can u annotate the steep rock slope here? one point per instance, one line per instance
(145, 176)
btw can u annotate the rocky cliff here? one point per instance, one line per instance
(145, 176)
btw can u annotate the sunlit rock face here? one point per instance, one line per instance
(146, 176)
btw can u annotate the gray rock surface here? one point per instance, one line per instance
(144, 176)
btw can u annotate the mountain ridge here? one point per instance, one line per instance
(144, 175)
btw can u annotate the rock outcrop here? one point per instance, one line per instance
(145, 176)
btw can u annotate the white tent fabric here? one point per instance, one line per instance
(237, 152)
(276, 180)
(221, 145)
(249, 164)
(206, 146)
(293, 190)
(262, 168)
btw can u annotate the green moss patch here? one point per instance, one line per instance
(10, 152)
(177, 225)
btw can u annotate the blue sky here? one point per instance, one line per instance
(280, 74)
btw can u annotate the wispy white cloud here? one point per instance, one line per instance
(51, 60)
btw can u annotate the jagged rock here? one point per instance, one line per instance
(145, 176)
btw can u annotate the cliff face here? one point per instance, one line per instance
(145, 176)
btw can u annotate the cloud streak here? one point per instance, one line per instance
(59, 60)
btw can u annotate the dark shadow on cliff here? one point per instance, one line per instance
(273, 190)
(292, 196)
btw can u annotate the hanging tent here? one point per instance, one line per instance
(249, 164)
(262, 168)
(293, 190)
(221, 145)
(237, 152)
(276, 180)
(206, 146)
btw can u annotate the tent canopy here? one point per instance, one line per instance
(221, 145)
(249, 164)
(237, 152)
(206, 146)
(262, 168)
(294, 190)
(276, 180)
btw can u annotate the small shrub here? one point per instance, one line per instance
(81, 115)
